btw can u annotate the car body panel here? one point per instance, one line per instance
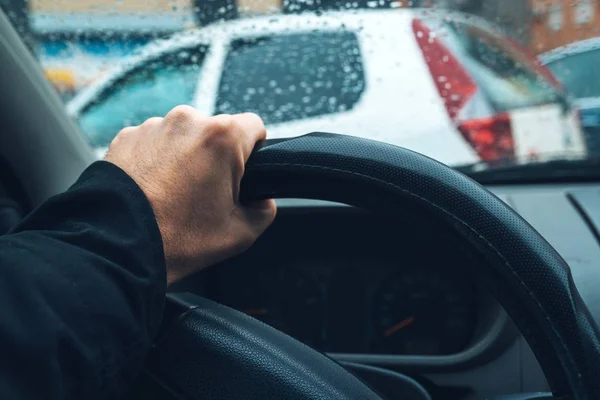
(578, 47)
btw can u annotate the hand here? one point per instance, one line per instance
(190, 167)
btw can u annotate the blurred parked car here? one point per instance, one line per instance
(446, 85)
(576, 66)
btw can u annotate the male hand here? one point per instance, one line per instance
(190, 167)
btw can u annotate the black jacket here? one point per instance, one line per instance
(82, 287)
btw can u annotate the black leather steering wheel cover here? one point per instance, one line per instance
(209, 351)
(528, 277)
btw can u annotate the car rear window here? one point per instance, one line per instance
(577, 73)
(293, 76)
(508, 76)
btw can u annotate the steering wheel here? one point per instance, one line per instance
(208, 351)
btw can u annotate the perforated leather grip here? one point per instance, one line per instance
(528, 277)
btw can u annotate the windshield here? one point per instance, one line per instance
(460, 81)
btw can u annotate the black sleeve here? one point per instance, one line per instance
(82, 288)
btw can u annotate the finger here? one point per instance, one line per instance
(151, 122)
(122, 138)
(259, 215)
(253, 131)
(183, 120)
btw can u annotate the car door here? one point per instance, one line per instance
(149, 89)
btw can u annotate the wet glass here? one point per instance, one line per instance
(577, 73)
(292, 76)
(466, 82)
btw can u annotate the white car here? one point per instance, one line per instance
(446, 85)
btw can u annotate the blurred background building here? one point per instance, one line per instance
(556, 23)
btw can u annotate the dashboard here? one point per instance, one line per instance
(392, 297)
(421, 309)
(401, 295)
(345, 281)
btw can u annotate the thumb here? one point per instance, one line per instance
(259, 215)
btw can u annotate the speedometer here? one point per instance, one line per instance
(288, 300)
(423, 312)
(302, 307)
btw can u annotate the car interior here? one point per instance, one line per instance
(498, 285)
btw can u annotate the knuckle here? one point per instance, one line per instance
(121, 143)
(150, 122)
(126, 131)
(219, 132)
(122, 135)
(254, 123)
(221, 124)
(181, 113)
(255, 119)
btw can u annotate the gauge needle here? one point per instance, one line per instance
(256, 311)
(400, 325)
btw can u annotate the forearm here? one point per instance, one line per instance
(82, 284)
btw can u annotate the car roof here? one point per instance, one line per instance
(578, 47)
(259, 26)
(244, 27)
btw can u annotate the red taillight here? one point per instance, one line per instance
(491, 137)
(453, 82)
